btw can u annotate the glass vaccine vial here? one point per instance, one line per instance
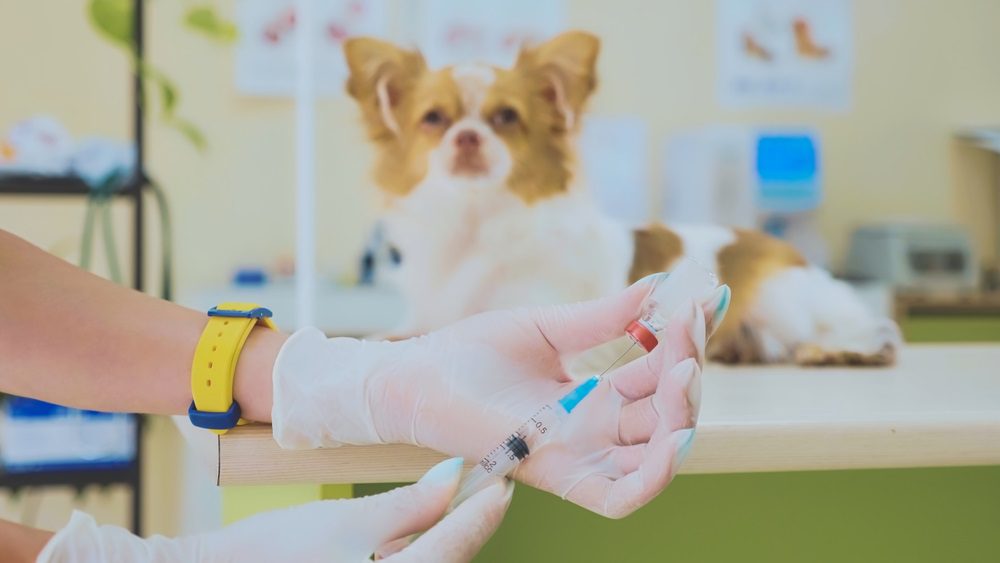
(687, 280)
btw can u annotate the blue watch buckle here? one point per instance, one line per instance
(215, 420)
(255, 313)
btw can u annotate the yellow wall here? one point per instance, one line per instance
(923, 68)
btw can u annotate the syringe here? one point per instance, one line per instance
(688, 280)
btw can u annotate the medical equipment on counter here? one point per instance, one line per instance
(342, 310)
(250, 276)
(914, 256)
(767, 178)
(379, 257)
(687, 280)
(988, 138)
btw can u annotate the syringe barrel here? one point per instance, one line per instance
(504, 458)
(687, 280)
(476, 480)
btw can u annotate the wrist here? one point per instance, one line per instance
(329, 392)
(83, 540)
(252, 383)
(396, 391)
(226, 356)
(20, 543)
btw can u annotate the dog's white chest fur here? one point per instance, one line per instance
(469, 250)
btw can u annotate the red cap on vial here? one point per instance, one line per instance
(642, 335)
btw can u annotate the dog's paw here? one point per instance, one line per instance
(888, 334)
(882, 343)
(814, 356)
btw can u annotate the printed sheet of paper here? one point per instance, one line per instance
(457, 31)
(784, 53)
(265, 55)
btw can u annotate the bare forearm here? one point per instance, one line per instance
(20, 543)
(73, 338)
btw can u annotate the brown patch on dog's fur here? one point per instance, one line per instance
(412, 90)
(549, 87)
(745, 264)
(656, 248)
(740, 347)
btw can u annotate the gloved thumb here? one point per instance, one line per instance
(571, 329)
(408, 510)
(463, 532)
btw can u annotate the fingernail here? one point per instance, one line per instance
(509, 493)
(444, 473)
(501, 487)
(653, 278)
(682, 447)
(694, 393)
(693, 317)
(718, 303)
(687, 374)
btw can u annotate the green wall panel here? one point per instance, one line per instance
(912, 515)
(951, 329)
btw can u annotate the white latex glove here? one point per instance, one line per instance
(330, 530)
(463, 389)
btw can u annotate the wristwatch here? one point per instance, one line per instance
(214, 365)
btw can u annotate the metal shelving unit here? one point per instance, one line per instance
(47, 185)
(35, 186)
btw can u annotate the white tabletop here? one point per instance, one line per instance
(939, 406)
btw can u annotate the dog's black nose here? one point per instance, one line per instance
(467, 140)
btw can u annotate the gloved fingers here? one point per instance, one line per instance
(395, 546)
(463, 532)
(408, 510)
(617, 498)
(571, 329)
(637, 421)
(678, 397)
(691, 402)
(679, 342)
(716, 307)
(627, 459)
(684, 337)
(674, 404)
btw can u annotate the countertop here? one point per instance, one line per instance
(938, 406)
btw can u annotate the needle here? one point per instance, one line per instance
(615, 363)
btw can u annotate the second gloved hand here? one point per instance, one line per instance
(462, 389)
(347, 530)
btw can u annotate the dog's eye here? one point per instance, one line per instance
(505, 116)
(433, 117)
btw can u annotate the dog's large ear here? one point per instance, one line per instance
(380, 75)
(566, 66)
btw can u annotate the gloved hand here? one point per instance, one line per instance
(462, 389)
(329, 530)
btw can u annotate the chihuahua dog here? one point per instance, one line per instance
(484, 202)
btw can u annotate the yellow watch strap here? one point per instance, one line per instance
(217, 353)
